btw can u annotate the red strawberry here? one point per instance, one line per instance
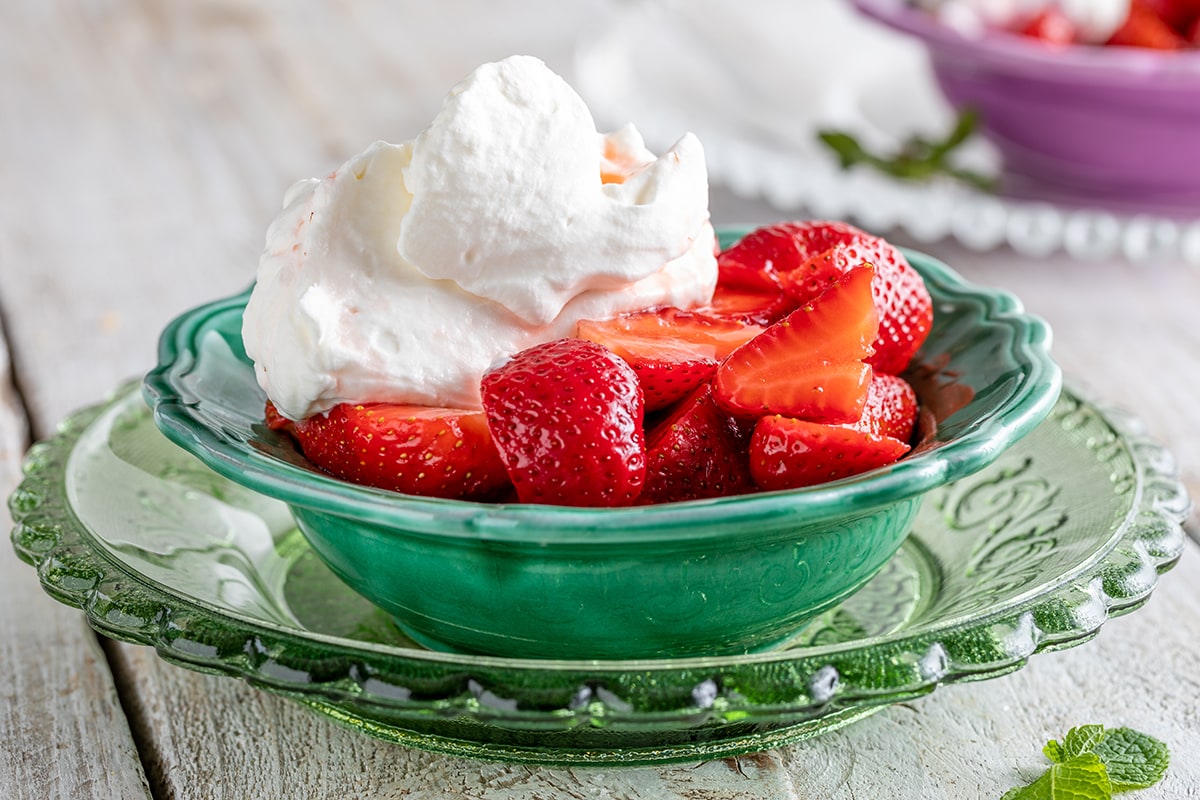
(751, 307)
(790, 453)
(1145, 28)
(821, 270)
(1052, 26)
(754, 263)
(802, 258)
(671, 351)
(810, 364)
(760, 261)
(278, 422)
(435, 452)
(567, 418)
(696, 452)
(1178, 14)
(891, 408)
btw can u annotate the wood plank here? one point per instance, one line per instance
(63, 733)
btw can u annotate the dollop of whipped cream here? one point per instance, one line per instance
(412, 268)
(1096, 20)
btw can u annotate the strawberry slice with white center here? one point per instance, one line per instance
(567, 418)
(811, 364)
(433, 452)
(672, 351)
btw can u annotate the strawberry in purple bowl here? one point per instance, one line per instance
(1109, 125)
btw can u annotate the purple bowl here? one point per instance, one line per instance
(1108, 125)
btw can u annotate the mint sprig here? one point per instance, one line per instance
(1134, 760)
(918, 159)
(1094, 763)
(1081, 777)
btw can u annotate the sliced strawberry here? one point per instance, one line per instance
(810, 364)
(905, 307)
(891, 408)
(1145, 28)
(754, 263)
(802, 258)
(671, 351)
(697, 451)
(567, 418)
(820, 271)
(278, 422)
(1052, 26)
(752, 307)
(434, 452)
(790, 453)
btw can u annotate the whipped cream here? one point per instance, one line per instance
(1096, 20)
(411, 269)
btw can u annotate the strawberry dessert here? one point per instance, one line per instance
(517, 308)
(1153, 24)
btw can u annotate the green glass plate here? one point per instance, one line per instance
(1073, 524)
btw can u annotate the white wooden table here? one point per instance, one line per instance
(145, 148)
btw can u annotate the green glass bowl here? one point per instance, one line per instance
(714, 577)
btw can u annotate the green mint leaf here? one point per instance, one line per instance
(846, 147)
(1082, 740)
(1054, 751)
(1082, 778)
(1134, 760)
(918, 158)
(964, 126)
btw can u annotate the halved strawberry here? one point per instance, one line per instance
(810, 364)
(803, 258)
(790, 453)
(754, 262)
(821, 269)
(1145, 28)
(276, 421)
(567, 418)
(763, 260)
(891, 408)
(697, 451)
(752, 307)
(434, 452)
(671, 351)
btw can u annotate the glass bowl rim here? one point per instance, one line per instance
(692, 521)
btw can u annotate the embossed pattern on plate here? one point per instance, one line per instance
(1073, 524)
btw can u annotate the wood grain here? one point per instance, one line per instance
(63, 733)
